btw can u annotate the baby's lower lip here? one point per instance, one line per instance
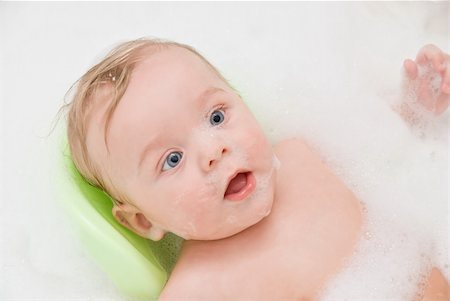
(243, 193)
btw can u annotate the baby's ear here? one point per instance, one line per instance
(135, 221)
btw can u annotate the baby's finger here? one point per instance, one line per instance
(442, 104)
(431, 53)
(411, 68)
(445, 87)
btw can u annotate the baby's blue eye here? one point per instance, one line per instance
(172, 160)
(217, 117)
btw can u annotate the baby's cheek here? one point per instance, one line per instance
(259, 145)
(191, 212)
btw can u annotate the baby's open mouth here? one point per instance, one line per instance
(240, 186)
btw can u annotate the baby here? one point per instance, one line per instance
(158, 128)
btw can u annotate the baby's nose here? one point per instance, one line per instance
(215, 155)
(211, 147)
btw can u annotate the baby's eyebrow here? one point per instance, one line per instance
(200, 99)
(207, 93)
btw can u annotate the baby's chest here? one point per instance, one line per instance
(286, 269)
(269, 274)
(289, 256)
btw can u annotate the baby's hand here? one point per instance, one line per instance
(429, 78)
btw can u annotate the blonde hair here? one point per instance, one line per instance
(115, 69)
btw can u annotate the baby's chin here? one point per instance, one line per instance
(254, 221)
(233, 225)
(260, 206)
(224, 233)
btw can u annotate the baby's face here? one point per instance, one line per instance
(186, 150)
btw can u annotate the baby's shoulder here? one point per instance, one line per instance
(297, 152)
(295, 145)
(201, 274)
(290, 144)
(187, 281)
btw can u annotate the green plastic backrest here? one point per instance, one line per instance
(138, 267)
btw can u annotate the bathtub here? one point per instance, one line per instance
(328, 72)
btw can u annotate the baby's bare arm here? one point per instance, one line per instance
(437, 287)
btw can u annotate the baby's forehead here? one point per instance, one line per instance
(170, 73)
(162, 84)
(170, 58)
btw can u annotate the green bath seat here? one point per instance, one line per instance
(138, 267)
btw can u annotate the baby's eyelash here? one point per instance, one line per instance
(207, 113)
(220, 107)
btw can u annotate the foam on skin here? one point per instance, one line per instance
(399, 173)
(216, 181)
